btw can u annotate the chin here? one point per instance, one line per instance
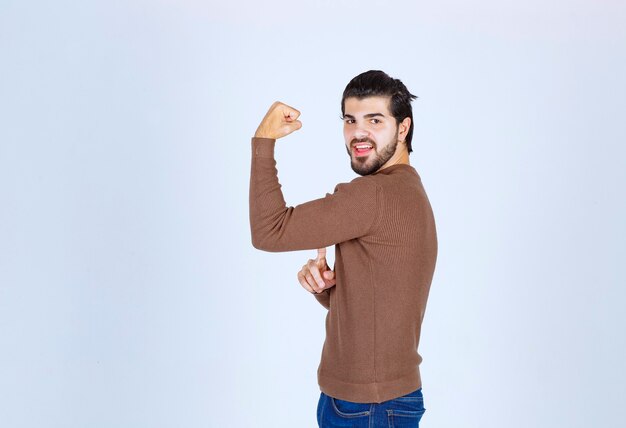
(362, 169)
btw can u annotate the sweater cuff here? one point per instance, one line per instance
(263, 147)
(323, 298)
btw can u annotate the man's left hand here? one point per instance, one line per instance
(315, 276)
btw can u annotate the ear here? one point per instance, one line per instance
(403, 128)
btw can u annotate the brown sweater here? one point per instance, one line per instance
(383, 229)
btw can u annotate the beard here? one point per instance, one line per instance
(372, 163)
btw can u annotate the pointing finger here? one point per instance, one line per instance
(321, 257)
(321, 253)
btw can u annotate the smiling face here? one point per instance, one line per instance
(372, 134)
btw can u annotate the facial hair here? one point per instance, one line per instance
(367, 165)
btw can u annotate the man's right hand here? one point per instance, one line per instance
(280, 120)
(315, 276)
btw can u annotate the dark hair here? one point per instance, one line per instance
(378, 83)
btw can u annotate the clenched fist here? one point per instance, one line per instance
(280, 120)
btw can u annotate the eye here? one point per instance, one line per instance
(375, 120)
(349, 121)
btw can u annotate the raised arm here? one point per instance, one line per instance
(350, 212)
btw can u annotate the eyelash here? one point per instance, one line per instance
(375, 121)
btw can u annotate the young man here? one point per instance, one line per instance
(383, 229)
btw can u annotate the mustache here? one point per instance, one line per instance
(362, 140)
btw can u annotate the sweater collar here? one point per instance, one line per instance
(392, 168)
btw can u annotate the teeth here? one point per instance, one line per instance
(363, 147)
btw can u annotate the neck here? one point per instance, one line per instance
(400, 156)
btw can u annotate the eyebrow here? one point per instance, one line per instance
(367, 116)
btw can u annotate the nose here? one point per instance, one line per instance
(360, 134)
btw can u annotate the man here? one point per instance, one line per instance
(383, 229)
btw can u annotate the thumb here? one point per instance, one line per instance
(289, 127)
(295, 125)
(329, 274)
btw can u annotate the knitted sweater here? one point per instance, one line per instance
(385, 239)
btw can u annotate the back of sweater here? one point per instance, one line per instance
(383, 229)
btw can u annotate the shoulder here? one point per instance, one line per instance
(363, 184)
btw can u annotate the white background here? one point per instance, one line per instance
(130, 293)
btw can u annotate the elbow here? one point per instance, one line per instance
(257, 237)
(262, 243)
(270, 243)
(256, 243)
(268, 239)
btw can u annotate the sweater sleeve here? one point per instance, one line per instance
(350, 212)
(324, 298)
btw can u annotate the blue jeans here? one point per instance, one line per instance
(401, 412)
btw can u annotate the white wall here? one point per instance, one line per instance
(130, 293)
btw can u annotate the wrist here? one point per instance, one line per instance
(263, 147)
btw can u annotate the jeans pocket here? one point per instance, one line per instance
(409, 405)
(348, 409)
(404, 418)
